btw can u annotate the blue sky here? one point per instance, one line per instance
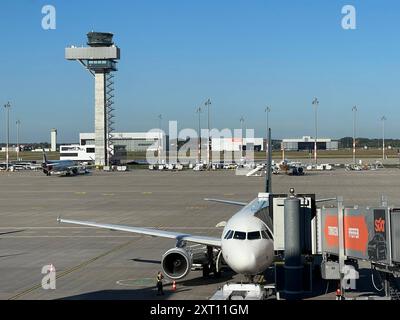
(243, 55)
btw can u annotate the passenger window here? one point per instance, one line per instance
(255, 235)
(240, 235)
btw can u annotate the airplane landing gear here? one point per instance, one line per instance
(211, 266)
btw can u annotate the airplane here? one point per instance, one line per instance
(246, 244)
(61, 167)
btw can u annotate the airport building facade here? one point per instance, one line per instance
(122, 144)
(133, 142)
(307, 143)
(237, 144)
(76, 152)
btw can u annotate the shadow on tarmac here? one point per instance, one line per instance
(146, 261)
(150, 293)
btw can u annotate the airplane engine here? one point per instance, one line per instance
(176, 263)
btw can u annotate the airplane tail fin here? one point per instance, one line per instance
(44, 157)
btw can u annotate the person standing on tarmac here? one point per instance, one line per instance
(160, 278)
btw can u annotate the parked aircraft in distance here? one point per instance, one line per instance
(62, 167)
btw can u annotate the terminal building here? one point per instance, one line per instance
(307, 143)
(133, 142)
(237, 144)
(123, 143)
(76, 152)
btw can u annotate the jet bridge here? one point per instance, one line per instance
(353, 234)
(339, 235)
(369, 233)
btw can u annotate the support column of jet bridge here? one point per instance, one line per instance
(293, 260)
(100, 59)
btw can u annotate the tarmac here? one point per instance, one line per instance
(101, 264)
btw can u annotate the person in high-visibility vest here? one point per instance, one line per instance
(160, 278)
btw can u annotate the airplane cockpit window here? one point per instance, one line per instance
(229, 235)
(255, 235)
(266, 234)
(239, 235)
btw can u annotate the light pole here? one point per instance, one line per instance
(354, 133)
(208, 104)
(267, 111)
(383, 119)
(8, 107)
(315, 104)
(159, 138)
(18, 123)
(241, 123)
(199, 111)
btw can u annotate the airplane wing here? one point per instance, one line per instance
(236, 203)
(325, 200)
(209, 241)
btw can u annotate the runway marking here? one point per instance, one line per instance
(108, 194)
(147, 193)
(72, 228)
(145, 282)
(71, 236)
(80, 193)
(70, 270)
(41, 228)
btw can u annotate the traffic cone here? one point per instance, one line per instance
(338, 294)
(174, 286)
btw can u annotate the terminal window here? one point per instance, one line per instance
(68, 155)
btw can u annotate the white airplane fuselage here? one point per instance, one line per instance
(247, 252)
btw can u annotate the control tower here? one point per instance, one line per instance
(100, 59)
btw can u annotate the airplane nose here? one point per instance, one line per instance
(243, 262)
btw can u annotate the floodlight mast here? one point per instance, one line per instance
(354, 133)
(316, 104)
(18, 123)
(199, 111)
(209, 143)
(242, 143)
(383, 119)
(7, 106)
